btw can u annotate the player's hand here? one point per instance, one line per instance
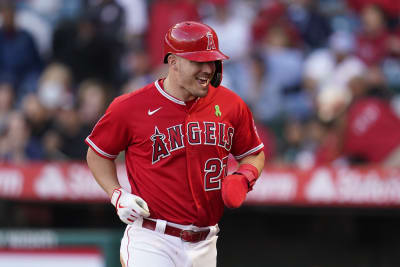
(234, 190)
(129, 207)
(236, 186)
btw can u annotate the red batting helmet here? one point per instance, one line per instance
(197, 42)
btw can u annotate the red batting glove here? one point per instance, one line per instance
(236, 186)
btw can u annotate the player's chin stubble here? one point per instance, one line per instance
(202, 92)
(198, 91)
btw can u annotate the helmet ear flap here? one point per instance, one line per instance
(216, 80)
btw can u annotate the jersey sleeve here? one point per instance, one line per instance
(111, 134)
(246, 140)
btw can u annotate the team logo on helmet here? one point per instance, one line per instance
(210, 43)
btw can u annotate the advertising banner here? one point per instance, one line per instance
(277, 185)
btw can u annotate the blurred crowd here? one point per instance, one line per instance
(322, 77)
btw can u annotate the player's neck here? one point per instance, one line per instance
(174, 90)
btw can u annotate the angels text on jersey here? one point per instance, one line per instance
(206, 133)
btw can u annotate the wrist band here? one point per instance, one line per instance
(250, 172)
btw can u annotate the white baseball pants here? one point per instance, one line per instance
(141, 247)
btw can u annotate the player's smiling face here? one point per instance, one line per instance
(194, 77)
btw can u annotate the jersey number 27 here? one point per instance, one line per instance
(214, 169)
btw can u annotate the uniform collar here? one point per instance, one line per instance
(159, 86)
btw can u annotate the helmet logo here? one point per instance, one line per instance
(210, 42)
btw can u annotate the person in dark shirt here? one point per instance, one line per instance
(20, 62)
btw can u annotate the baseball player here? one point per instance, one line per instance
(177, 134)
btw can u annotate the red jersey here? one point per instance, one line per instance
(372, 131)
(391, 7)
(176, 154)
(372, 50)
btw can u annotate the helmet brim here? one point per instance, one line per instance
(203, 56)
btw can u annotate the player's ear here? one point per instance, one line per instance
(172, 61)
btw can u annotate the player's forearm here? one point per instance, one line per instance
(255, 160)
(104, 171)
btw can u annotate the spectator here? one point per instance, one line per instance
(163, 14)
(284, 63)
(372, 39)
(136, 16)
(313, 142)
(328, 149)
(314, 28)
(73, 125)
(332, 102)
(137, 70)
(334, 67)
(110, 18)
(294, 137)
(331, 108)
(20, 63)
(52, 146)
(92, 102)
(55, 88)
(16, 145)
(391, 7)
(87, 52)
(42, 109)
(38, 118)
(263, 94)
(40, 17)
(271, 14)
(71, 133)
(41, 121)
(136, 20)
(372, 132)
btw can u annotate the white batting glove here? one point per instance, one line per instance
(129, 207)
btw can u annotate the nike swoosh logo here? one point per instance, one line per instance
(151, 112)
(120, 206)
